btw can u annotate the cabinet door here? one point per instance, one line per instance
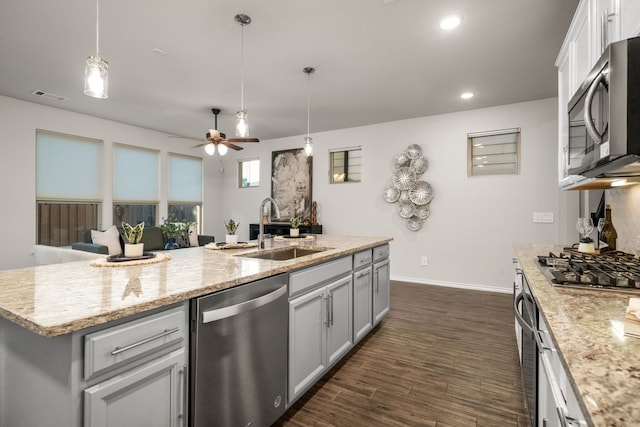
(340, 322)
(151, 395)
(380, 290)
(629, 18)
(362, 303)
(307, 341)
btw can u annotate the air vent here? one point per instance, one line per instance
(50, 96)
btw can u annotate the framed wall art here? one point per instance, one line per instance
(291, 172)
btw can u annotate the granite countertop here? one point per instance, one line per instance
(587, 327)
(57, 299)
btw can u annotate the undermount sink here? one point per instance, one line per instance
(283, 254)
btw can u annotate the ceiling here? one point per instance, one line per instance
(375, 60)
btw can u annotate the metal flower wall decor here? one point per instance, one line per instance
(406, 189)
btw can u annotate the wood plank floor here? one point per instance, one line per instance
(441, 357)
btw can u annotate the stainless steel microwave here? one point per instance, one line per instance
(604, 116)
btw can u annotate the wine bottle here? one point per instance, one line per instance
(609, 234)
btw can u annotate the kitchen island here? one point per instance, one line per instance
(70, 340)
(587, 328)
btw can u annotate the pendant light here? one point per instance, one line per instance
(96, 72)
(308, 142)
(242, 116)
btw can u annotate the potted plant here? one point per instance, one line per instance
(232, 227)
(132, 247)
(586, 245)
(295, 223)
(171, 229)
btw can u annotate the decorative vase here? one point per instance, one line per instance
(171, 244)
(294, 232)
(586, 248)
(231, 238)
(133, 250)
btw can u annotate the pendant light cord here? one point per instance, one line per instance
(242, 68)
(308, 100)
(97, 28)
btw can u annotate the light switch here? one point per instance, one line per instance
(543, 217)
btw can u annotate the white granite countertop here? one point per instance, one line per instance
(587, 327)
(57, 299)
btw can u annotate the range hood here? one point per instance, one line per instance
(619, 172)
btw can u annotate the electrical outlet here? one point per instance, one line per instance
(424, 260)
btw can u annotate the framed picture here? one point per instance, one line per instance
(291, 172)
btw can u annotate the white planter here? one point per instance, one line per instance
(586, 248)
(231, 238)
(294, 232)
(133, 250)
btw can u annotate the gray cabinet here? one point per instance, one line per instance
(362, 294)
(381, 279)
(320, 322)
(150, 395)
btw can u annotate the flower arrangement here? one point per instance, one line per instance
(133, 234)
(232, 226)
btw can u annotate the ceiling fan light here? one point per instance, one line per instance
(222, 149)
(210, 149)
(96, 77)
(242, 124)
(308, 145)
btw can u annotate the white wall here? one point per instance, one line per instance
(467, 239)
(18, 123)
(474, 221)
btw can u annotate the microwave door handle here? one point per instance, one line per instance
(588, 118)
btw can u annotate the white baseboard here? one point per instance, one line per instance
(453, 284)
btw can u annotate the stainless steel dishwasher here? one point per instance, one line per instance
(239, 355)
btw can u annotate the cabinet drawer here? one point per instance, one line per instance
(128, 342)
(309, 278)
(362, 259)
(380, 253)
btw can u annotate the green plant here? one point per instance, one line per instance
(171, 227)
(586, 239)
(232, 226)
(295, 222)
(133, 234)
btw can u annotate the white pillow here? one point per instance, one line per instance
(193, 236)
(109, 238)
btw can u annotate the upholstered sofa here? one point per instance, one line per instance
(152, 238)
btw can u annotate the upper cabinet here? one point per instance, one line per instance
(596, 23)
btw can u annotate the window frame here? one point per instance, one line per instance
(474, 155)
(240, 172)
(346, 164)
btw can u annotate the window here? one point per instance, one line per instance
(185, 187)
(345, 165)
(135, 185)
(494, 153)
(248, 173)
(68, 187)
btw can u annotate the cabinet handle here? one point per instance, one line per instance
(362, 274)
(377, 281)
(365, 260)
(164, 333)
(181, 415)
(327, 315)
(331, 311)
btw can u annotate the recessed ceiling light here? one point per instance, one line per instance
(466, 95)
(450, 22)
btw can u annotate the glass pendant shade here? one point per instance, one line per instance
(308, 145)
(242, 123)
(222, 149)
(96, 77)
(210, 149)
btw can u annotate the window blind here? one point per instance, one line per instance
(185, 179)
(135, 174)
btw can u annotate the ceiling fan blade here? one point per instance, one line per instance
(243, 140)
(203, 144)
(233, 146)
(185, 137)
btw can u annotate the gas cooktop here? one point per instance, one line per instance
(614, 270)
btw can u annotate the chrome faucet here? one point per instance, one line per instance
(261, 222)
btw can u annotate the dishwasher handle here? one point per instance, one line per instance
(243, 307)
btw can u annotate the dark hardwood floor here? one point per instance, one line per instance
(441, 357)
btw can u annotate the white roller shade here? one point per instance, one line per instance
(135, 174)
(185, 179)
(68, 167)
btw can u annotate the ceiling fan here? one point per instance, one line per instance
(214, 139)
